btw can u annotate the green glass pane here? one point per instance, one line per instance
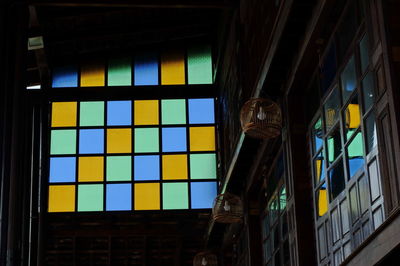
(119, 72)
(203, 166)
(173, 112)
(91, 114)
(334, 145)
(282, 198)
(119, 168)
(90, 198)
(63, 141)
(175, 196)
(146, 140)
(200, 65)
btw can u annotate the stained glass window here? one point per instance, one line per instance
(131, 155)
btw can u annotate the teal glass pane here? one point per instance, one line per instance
(348, 78)
(91, 114)
(63, 141)
(119, 168)
(334, 145)
(90, 198)
(317, 132)
(173, 112)
(355, 154)
(282, 198)
(175, 196)
(203, 166)
(146, 140)
(120, 72)
(199, 65)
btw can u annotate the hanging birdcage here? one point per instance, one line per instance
(261, 118)
(228, 208)
(205, 258)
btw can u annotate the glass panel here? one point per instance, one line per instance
(173, 68)
(319, 167)
(273, 209)
(282, 199)
(92, 74)
(119, 140)
(265, 226)
(147, 196)
(91, 141)
(355, 154)
(175, 196)
(146, 69)
(337, 180)
(62, 169)
(203, 194)
(146, 112)
(174, 139)
(317, 134)
(66, 76)
(91, 169)
(322, 200)
(364, 54)
(199, 65)
(62, 198)
(334, 145)
(173, 112)
(119, 197)
(90, 197)
(328, 68)
(203, 166)
(368, 89)
(349, 79)
(119, 72)
(119, 168)
(146, 140)
(147, 167)
(63, 114)
(201, 111)
(63, 141)
(352, 117)
(174, 166)
(202, 138)
(119, 113)
(91, 114)
(370, 132)
(331, 108)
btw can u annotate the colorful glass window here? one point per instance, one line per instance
(132, 155)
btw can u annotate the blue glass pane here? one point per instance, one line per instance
(173, 139)
(119, 113)
(66, 76)
(201, 111)
(119, 197)
(203, 194)
(91, 141)
(146, 69)
(62, 169)
(147, 167)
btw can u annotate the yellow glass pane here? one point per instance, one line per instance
(91, 169)
(318, 164)
(202, 138)
(173, 68)
(322, 202)
(353, 116)
(146, 112)
(92, 75)
(174, 166)
(147, 196)
(62, 198)
(119, 140)
(63, 114)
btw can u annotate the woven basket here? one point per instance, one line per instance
(205, 258)
(228, 208)
(261, 118)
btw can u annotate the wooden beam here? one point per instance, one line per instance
(207, 4)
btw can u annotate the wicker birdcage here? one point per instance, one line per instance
(261, 118)
(228, 208)
(205, 258)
